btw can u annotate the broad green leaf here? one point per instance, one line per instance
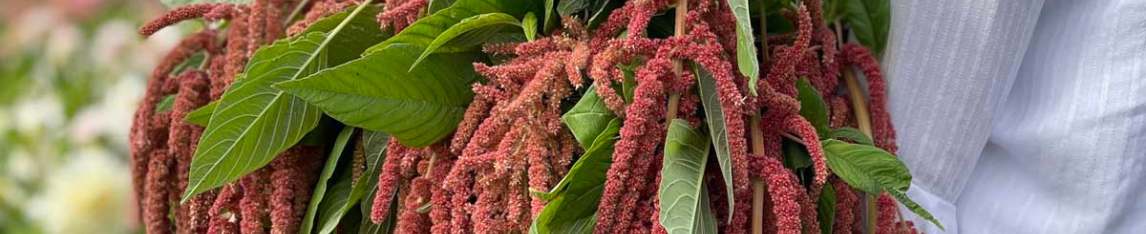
(914, 207)
(376, 92)
(423, 32)
(601, 11)
(568, 7)
(745, 47)
(549, 15)
(437, 5)
(795, 155)
(682, 178)
(714, 116)
(201, 116)
(588, 118)
(166, 104)
(867, 168)
(706, 221)
(590, 169)
(869, 21)
(852, 133)
(327, 171)
(826, 210)
(813, 108)
(529, 25)
(255, 122)
(194, 61)
(172, 4)
(330, 212)
(485, 25)
(571, 212)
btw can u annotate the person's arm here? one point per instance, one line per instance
(950, 64)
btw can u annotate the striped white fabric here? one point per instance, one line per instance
(1022, 116)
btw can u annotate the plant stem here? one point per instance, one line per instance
(295, 12)
(859, 107)
(678, 31)
(757, 134)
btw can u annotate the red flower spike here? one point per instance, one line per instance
(252, 207)
(846, 203)
(155, 205)
(180, 14)
(886, 222)
(228, 200)
(801, 127)
(883, 133)
(388, 181)
(399, 17)
(784, 190)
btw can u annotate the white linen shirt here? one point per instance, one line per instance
(1022, 116)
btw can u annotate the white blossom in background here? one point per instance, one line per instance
(111, 117)
(88, 194)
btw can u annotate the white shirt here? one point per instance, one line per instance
(1022, 116)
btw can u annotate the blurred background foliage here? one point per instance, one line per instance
(71, 74)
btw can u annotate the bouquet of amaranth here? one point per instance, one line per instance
(520, 116)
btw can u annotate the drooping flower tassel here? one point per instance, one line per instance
(784, 190)
(883, 133)
(388, 181)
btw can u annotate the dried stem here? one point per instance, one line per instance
(678, 31)
(859, 107)
(758, 185)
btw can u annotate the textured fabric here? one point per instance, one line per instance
(1025, 117)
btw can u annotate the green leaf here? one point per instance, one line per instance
(424, 31)
(375, 143)
(590, 169)
(795, 155)
(529, 25)
(867, 168)
(255, 122)
(826, 210)
(171, 4)
(573, 202)
(484, 26)
(682, 176)
(437, 5)
(568, 7)
(714, 116)
(854, 134)
(914, 207)
(629, 83)
(745, 47)
(201, 116)
(869, 21)
(327, 171)
(194, 61)
(376, 92)
(588, 118)
(166, 104)
(813, 108)
(549, 23)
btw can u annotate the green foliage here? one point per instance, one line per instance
(376, 92)
(201, 116)
(872, 171)
(714, 116)
(588, 118)
(745, 48)
(853, 134)
(165, 104)
(573, 202)
(423, 32)
(256, 121)
(346, 193)
(324, 176)
(479, 29)
(813, 108)
(869, 21)
(683, 199)
(826, 210)
(178, 3)
(529, 26)
(437, 5)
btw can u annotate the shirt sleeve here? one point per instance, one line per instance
(950, 64)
